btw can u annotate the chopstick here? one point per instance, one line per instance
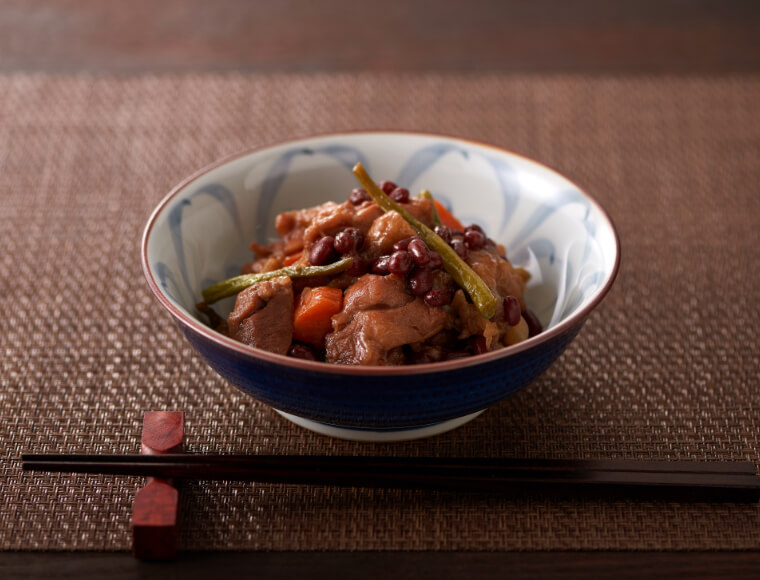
(681, 480)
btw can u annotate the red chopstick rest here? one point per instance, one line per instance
(155, 512)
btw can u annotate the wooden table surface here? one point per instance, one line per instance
(589, 36)
(580, 36)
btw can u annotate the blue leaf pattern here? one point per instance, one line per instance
(345, 155)
(226, 199)
(544, 212)
(175, 227)
(269, 188)
(510, 188)
(425, 158)
(165, 277)
(219, 193)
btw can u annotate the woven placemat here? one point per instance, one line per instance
(667, 367)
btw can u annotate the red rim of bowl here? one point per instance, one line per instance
(321, 367)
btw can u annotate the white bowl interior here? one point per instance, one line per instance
(200, 235)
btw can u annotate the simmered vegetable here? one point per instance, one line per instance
(314, 310)
(237, 284)
(425, 194)
(446, 217)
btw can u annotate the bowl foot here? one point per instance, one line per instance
(379, 435)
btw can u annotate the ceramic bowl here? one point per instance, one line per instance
(200, 232)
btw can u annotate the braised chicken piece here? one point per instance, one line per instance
(263, 316)
(378, 316)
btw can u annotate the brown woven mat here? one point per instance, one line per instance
(666, 368)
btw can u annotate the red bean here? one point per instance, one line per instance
(479, 345)
(358, 196)
(358, 267)
(298, 350)
(419, 251)
(399, 195)
(400, 263)
(404, 244)
(474, 228)
(344, 243)
(387, 186)
(380, 266)
(534, 324)
(359, 237)
(421, 282)
(436, 262)
(348, 240)
(438, 297)
(323, 251)
(459, 247)
(512, 310)
(474, 239)
(444, 233)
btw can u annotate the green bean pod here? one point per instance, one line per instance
(235, 285)
(425, 194)
(463, 275)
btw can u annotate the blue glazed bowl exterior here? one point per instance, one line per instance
(381, 401)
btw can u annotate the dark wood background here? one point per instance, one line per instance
(587, 36)
(541, 36)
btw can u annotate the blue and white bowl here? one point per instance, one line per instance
(200, 232)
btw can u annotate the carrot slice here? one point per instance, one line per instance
(447, 217)
(292, 258)
(314, 309)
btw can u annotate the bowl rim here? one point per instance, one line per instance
(246, 351)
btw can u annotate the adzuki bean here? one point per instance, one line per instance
(479, 345)
(322, 251)
(421, 282)
(400, 263)
(298, 350)
(358, 196)
(399, 195)
(348, 240)
(474, 239)
(436, 262)
(438, 297)
(357, 267)
(459, 247)
(534, 325)
(387, 187)
(380, 266)
(404, 244)
(419, 251)
(444, 233)
(511, 310)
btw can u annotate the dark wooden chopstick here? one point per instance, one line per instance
(685, 480)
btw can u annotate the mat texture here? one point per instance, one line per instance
(667, 367)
